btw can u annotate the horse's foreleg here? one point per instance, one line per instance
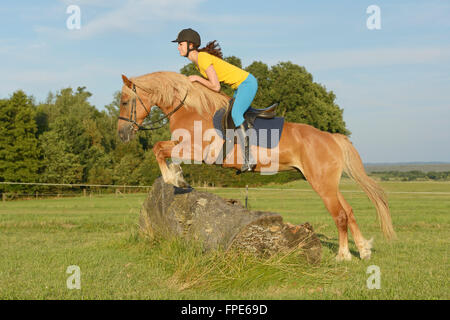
(171, 174)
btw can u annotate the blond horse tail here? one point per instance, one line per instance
(355, 169)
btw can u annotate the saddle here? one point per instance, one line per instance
(250, 115)
(263, 121)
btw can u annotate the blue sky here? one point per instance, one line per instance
(393, 83)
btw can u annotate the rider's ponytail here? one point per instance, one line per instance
(212, 48)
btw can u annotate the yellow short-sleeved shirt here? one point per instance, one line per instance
(226, 72)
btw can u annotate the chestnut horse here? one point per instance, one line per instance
(320, 156)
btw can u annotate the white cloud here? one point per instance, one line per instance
(147, 16)
(132, 16)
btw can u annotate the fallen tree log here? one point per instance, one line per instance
(220, 223)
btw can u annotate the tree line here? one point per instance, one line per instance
(66, 139)
(413, 175)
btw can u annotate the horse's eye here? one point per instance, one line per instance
(124, 103)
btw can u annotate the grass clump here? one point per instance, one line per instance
(189, 267)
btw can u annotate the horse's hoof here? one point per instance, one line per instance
(344, 257)
(183, 184)
(365, 251)
(365, 254)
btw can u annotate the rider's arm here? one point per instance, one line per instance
(212, 82)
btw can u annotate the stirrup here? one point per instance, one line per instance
(247, 167)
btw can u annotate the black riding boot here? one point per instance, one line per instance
(249, 163)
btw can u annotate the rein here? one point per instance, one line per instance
(133, 112)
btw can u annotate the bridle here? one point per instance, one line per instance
(133, 111)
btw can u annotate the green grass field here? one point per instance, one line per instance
(39, 239)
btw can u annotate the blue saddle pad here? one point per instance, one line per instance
(263, 137)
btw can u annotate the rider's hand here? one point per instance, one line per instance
(193, 78)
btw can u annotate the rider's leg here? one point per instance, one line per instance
(244, 96)
(249, 162)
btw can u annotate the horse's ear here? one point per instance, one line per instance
(126, 81)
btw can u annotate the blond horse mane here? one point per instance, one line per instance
(166, 86)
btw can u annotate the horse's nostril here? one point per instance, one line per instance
(126, 133)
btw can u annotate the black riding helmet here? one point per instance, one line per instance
(191, 36)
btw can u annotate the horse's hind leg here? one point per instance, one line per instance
(364, 246)
(340, 218)
(342, 213)
(326, 184)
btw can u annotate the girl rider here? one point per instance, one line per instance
(215, 70)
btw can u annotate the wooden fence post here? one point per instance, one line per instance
(246, 195)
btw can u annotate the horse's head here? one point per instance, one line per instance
(132, 113)
(168, 91)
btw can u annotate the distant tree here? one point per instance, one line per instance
(77, 137)
(128, 159)
(190, 70)
(113, 108)
(61, 164)
(302, 100)
(148, 169)
(19, 147)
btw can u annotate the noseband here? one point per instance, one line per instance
(133, 112)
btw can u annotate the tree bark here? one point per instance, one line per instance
(169, 211)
